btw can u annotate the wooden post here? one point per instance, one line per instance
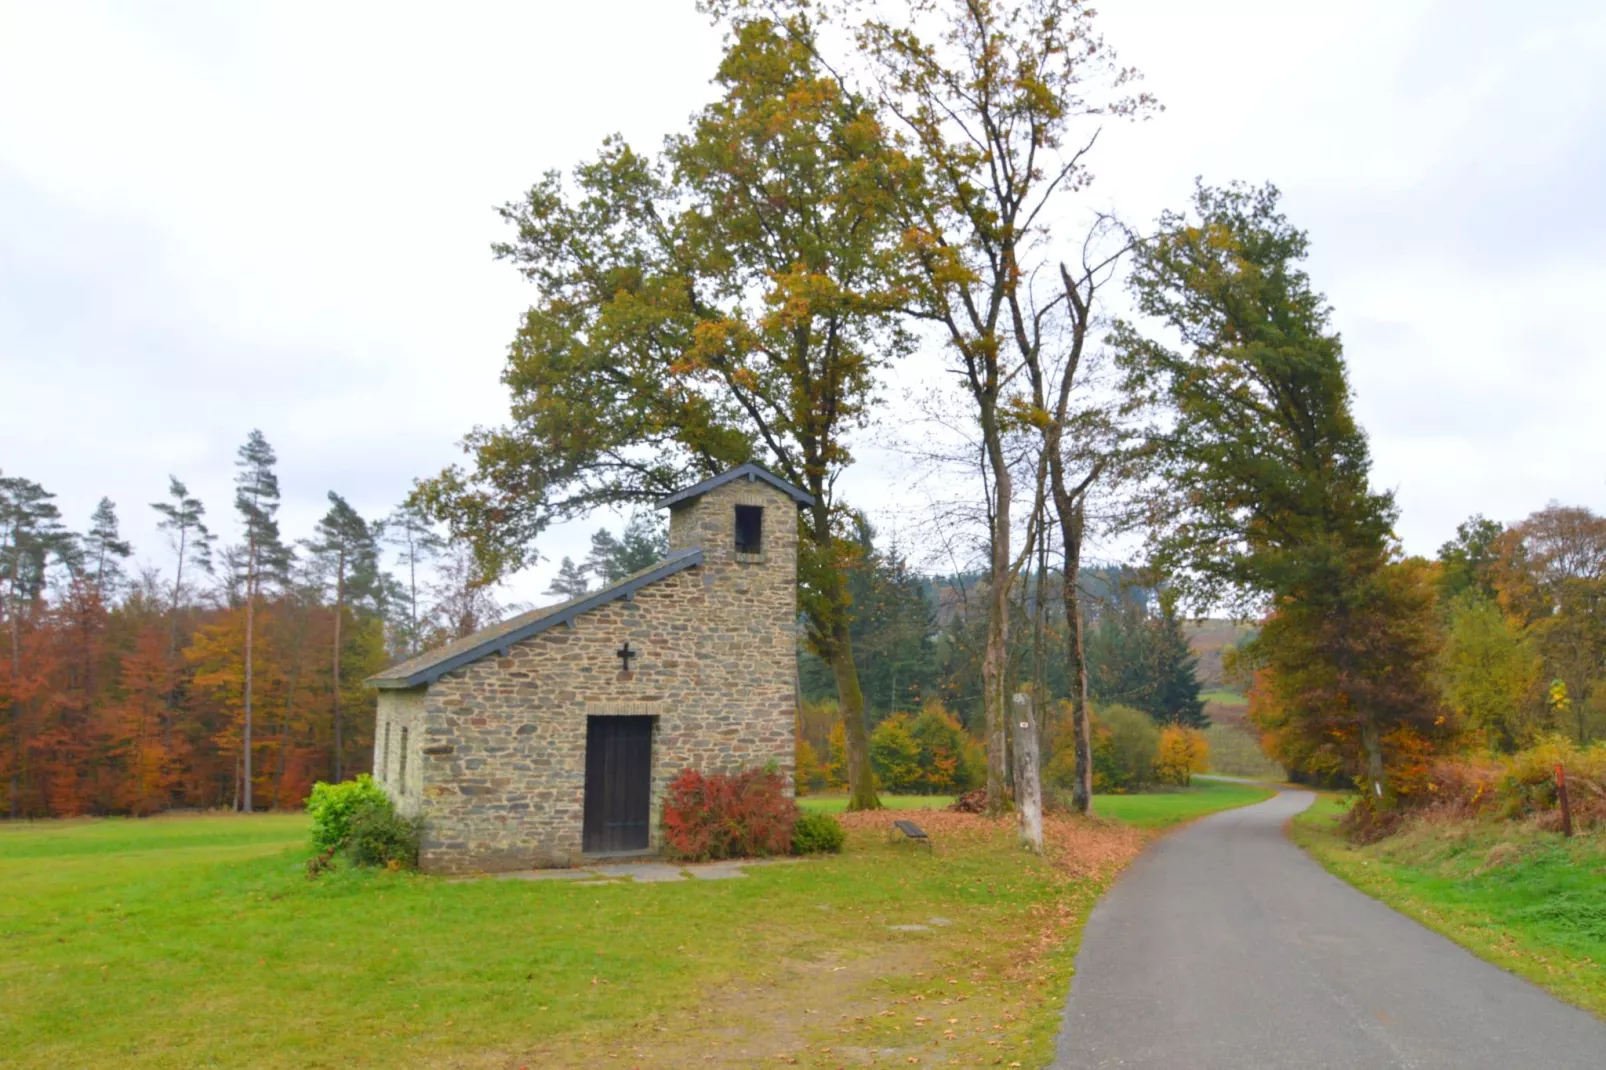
(1028, 782)
(1566, 808)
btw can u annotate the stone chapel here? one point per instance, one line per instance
(549, 738)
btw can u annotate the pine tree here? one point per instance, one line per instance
(256, 498)
(345, 546)
(1176, 671)
(570, 582)
(191, 542)
(103, 549)
(611, 559)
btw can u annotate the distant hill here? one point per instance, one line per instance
(1209, 638)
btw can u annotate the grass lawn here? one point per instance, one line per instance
(1225, 698)
(1524, 899)
(835, 804)
(198, 941)
(1158, 810)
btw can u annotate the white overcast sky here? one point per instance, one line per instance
(215, 217)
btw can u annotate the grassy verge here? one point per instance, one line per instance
(1525, 899)
(184, 941)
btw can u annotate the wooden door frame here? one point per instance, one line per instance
(594, 806)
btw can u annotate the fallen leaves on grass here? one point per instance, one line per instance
(1078, 847)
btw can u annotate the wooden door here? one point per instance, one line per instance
(618, 783)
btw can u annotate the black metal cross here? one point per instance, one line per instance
(625, 654)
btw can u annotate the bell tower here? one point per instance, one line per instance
(744, 521)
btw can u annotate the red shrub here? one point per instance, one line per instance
(718, 816)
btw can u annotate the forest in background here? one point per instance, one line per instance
(125, 692)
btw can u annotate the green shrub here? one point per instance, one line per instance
(817, 834)
(1126, 743)
(331, 807)
(379, 836)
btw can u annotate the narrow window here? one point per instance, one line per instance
(401, 778)
(749, 529)
(384, 773)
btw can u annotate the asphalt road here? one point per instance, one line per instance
(1225, 946)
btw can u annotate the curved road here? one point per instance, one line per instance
(1225, 946)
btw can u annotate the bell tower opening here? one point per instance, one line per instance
(749, 529)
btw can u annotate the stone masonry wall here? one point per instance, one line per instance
(503, 762)
(398, 731)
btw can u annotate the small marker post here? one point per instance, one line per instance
(1566, 807)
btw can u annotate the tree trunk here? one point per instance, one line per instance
(250, 630)
(834, 643)
(850, 707)
(1040, 617)
(340, 599)
(16, 704)
(172, 638)
(1372, 741)
(1028, 782)
(1071, 521)
(995, 654)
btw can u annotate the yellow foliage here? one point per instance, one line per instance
(1183, 752)
(836, 768)
(808, 774)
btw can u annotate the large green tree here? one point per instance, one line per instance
(1263, 495)
(728, 301)
(1469, 562)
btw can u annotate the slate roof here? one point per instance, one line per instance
(751, 470)
(432, 665)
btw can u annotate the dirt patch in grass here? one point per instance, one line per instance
(976, 977)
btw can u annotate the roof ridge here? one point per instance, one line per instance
(752, 470)
(432, 665)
